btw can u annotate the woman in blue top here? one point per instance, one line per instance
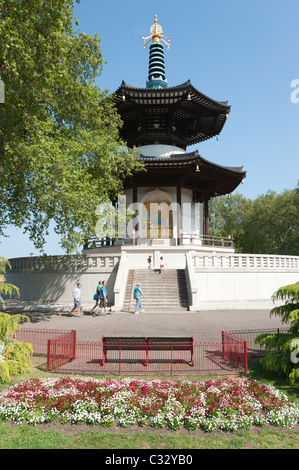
(137, 295)
(104, 299)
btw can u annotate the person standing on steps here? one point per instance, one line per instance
(137, 296)
(149, 260)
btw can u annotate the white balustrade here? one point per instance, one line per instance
(246, 262)
(62, 263)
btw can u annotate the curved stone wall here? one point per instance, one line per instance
(214, 280)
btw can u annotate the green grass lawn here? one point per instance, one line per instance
(56, 436)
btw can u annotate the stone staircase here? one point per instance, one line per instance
(166, 291)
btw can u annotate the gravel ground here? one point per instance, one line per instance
(204, 325)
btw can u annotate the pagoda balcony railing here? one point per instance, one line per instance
(207, 240)
(185, 239)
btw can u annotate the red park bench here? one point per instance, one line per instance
(147, 344)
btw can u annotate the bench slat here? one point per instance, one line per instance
(173, 339)
(123, 340)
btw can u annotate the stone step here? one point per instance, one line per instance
(151, 272)
(166, 291)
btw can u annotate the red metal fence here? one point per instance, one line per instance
(66, 354)
(38, 338)
(250, 336)
(234, 350)
(207, 358)
(61, 349)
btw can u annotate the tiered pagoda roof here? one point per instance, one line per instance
(175, 117)
(191, 171)
(180, 116)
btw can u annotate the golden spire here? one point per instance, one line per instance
(156, 35)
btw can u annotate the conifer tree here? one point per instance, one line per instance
(5, 288)
(283, 357)
(14, 355)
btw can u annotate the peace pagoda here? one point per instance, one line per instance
(164, 212)
(172, 195)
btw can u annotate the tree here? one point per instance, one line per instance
(273, 224)
(14, 355)
(268, 224)
(61, 154)
(283, 357)
(227, 217)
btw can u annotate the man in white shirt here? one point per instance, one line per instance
(77, 300)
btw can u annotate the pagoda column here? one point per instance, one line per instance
(206, 218)
(179, 214)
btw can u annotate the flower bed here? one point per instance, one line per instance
(227, 404)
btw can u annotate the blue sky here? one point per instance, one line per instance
(243, 52)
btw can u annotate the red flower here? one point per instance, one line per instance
(132, 387)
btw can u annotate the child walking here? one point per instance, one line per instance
(162, 264)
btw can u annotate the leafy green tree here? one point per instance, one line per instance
(272, 225)
(61, 154)
(283, 357)
(268, 224)
(228, 216)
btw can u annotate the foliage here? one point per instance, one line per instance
(284, 348)
(14, 355)
(227, 404)
(61, 154)
(5, 288)
(227, 217)
(269, 224)
(273, 224)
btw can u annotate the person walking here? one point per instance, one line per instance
(77, 300)
(96, 297)
(104, 299)
(162, 264)
(149, 260)
(137, 295)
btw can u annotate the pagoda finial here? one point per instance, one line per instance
(156, 71)
(156, 35)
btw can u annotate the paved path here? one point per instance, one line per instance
(204, 325)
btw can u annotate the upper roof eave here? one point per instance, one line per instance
(194, 157)
(185, 87)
